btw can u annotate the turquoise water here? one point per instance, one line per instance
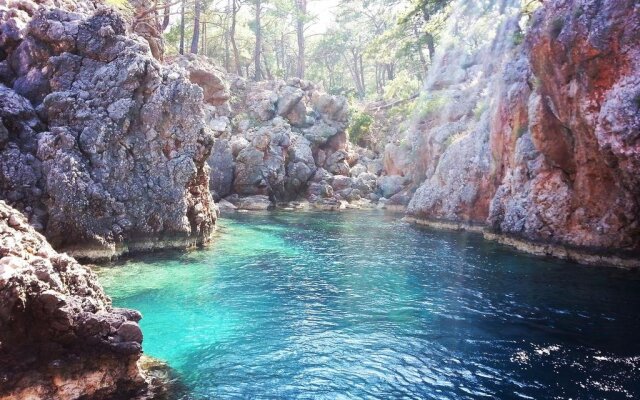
(361, 305)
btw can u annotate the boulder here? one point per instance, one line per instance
(253, 203)
(60, 335)
(203, 73)
(391, 184)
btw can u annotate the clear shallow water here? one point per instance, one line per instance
(362, 305)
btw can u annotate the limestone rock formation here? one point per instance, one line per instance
(204, 74)
(114, 143)
(60, 338)
(546, 148)
(274, 139)
(584, 124)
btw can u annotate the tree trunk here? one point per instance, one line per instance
(258, 50)
(181, 50)
(390, 72)
(301, 6)
(167, 15)
(364, 89)
(429, 37)
(431, 46)
(266, 67)
(227, 55)
(423, 59)
(203, 42)
(232, 34)
(196, 27)
(355, 72)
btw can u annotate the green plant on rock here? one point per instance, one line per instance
(359, 125)
(454, 138)
(427, 106)
(405, 144)
(518, 38)
(521, 131)
(480, 108)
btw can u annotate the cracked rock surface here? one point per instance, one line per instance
(60, 338)
(552, 154)
(280, 142)
(108, 147)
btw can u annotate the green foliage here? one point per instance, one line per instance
(528, 7)
(518, 38)
(535, 82)
(429, 105)
(480, 108)
(401, 87)
(359, 125)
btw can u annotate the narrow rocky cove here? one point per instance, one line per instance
(339, 189)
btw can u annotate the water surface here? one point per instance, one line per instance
(361, 305)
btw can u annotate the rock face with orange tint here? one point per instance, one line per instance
(560, 153)
(575, 178)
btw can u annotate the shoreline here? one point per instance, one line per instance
(89, 255)
(562, 252)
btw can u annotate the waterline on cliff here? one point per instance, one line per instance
(594, 257)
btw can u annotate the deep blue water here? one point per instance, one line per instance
(360, 305)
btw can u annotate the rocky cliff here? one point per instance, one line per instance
(279, 143)
(103, 147)
(60, 338)
(545, 150)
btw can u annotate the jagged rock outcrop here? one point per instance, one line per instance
(211, 79)
(547, 151)
(284, 141)
(115, 144)
(60, 338)
(21, 178)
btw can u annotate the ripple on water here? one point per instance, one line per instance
(361, 305)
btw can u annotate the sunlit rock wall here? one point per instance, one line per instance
(106, 147)
(550, 151)
(575, 177)
(280, 142)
